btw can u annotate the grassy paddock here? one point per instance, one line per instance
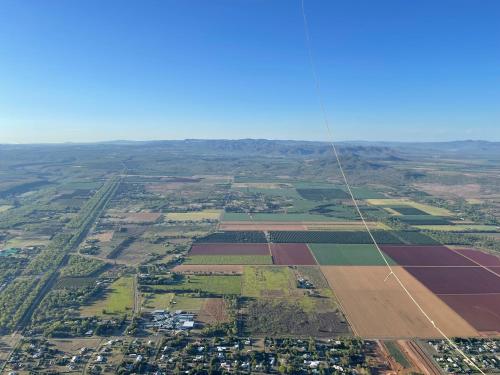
(229, 259)
(119, 299)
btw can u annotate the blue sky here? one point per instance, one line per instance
(390, 70)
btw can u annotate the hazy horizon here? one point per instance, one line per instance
(394, 71)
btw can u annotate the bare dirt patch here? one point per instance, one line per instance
(103, 237)
(214, 310)
(381, 309)
(464, 191)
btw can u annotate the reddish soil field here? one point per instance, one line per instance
(484, 259)
(292, 254)
(457, 280)
(230, 249)
(425, 256)
(482, 311)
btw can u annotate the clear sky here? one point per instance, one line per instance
(390, 70)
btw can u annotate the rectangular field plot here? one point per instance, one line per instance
(194, 215)
(244, 226)
(117, 299)
(409, 255)
(407, 210)
(268, 282)
(292, 254)
(267, 217)
(431, 210)
(353, 237)
(348, 255)
(378, 307)
(482, 311)
(230, 249)
(479, 257)
(457, 280)
(216, 285)
(415, 238)
(229, 259)
(423, 220)
(223, 269)
(234, 236)
(322, 194)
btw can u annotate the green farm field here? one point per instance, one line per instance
(267, 281)
(291, 217)
(118, 300)
(348, 255)
(229, 259)
(219, 285)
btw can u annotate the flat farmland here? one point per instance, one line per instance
(268, 217)
(431, 210)
(268, 282)
(194, 215)
(410, 255)
(118, 299)
(209, 269)
(344, 237)
(482, 311)
(460, 228)
(234, 236)
(229, 259)
(457, 280)
(348, 255)
(230, 249)
(292, 254)
(378, 308)
(263, 226)
(218, 285)
(479, 257)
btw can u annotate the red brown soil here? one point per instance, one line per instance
(457, 280)
(229, 249)
(484, 259)
(292, 254)
(425, 256)
(482, 311)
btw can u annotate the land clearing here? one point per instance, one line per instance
(133, 217)
(103, 236)
(292, 254)
(377, 307)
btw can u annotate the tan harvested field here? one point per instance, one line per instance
(381, 309)
(206, 269)
(347, 225)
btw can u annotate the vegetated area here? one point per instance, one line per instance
(147, 258)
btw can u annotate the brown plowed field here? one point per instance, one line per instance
(484, 259)
(230, 249)
(481, 310)
(207, 269)
(228, 226)
(425, 256)
(213, 311)
(292, 254)
(457, 280)
(381, 309)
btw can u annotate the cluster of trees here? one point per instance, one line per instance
(79, 266)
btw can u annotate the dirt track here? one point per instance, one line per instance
(379, 309)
